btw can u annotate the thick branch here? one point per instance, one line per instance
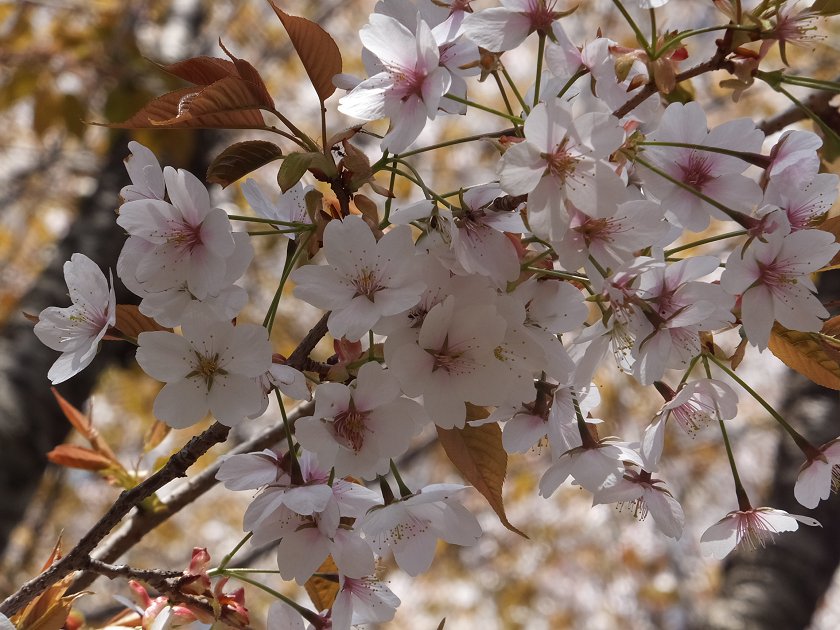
(141, 523)
(79, 555)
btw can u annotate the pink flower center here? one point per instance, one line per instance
(753, 530)
(184, 235)
(697, 172)
(562, 162)
(542, 14)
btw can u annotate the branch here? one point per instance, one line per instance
(78, 557)
(817, 103)
(141, 523)
(300, 356)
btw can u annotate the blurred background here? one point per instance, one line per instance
(67, 63)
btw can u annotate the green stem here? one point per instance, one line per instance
(826, 129)
(289, 441)
(503, 92)
(449, 143)
(311, 616)
(289, 224)
(226, 560)
(298, 249)
(668, 44)
(306, 140)
(817, 84)
(538, 79)
(653, 34)
(572, 80)
(738, 217)
(515, 91)
(740, 493)
(804, 445)
(469, 103)
(757, 159)
(640, 38)
(704, 241)
(553, 273)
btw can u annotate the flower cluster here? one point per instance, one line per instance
(502, 303)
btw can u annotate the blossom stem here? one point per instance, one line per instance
(515, 90)
(653, 34)
(370, 346)
(538, 78)
(632, 23)
(553, 273)
(804, 445)
(741, 494)
(289, 224)
(306, 140)
(226, 560)
(449, 143)
(295, 250)
(704, 241)
(391, 182)
(757, 159)
(503, 92)
(404, 489)
(286, 135)
(668, 44)
(496, 112)
(572, 80)
(776, 85)
(817, 84)
(738, 217)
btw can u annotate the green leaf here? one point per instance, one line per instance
(296, 164)
(240, 159)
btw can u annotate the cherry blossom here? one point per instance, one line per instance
(212, 367)
(715, 175)
(504, 28)
(146, 175)
(359, 429)
(364, 280)
(563, 158)
(363, 600)
(76, 330)
(645, 495)
(190, 239)
(773, 280)
(819, 476)
(290, 207)
(804, 201)
(409, 89)
(749, 529)
(411, 526)
(592, 466)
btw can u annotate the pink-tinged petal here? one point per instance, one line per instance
(86, 283)
(331, 399)
(281, 616)
(798, 309)
(497, 29)
(386, 38)
(554, 477)
(145, 173)
(427, 51)
(247, 351)
(352, 554)
(436, 325)
(367, 100)
(301, 553)
(407, 122)
(249, 471)
(69, 364)
(485, 251)
(188, 194)
(322, 286)
(216, 233)
(720, 539)
(347, 244)
(183, 403)
(205, 272)
(232, 397)
(164, 356)
(666, 511)
(355, 319)
(813, 484)
(758, 315)
(521, 168)
(375, 386)
(781, 521)
(445, 406)
(415, 554)
(653, 443)
(603, 131)
(435, 85)
(523, 431)
(138, 218)
(412, 366)
(457, 526)
(596, 194)
(308, 500)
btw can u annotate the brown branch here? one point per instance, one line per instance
(79, 555)
(299, 357)
(817, 103)
(141, 523)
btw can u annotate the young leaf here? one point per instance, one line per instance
(296, 164)
(226, 100)
(811, 354)
(316, 49)
(201, 70)
(478, 454)
(84, 426)
(74, 456)
(240, 159)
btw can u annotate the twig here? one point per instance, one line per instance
(817, 103)
(79, 555)
(300, 356)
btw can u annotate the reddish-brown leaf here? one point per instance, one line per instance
(201, 70)
(478, 454)
(832, 226)
(74, 456)
(131, 322)
(240, 159)
(810, 354)
(316, 49)
(249, 74)
(84, 426)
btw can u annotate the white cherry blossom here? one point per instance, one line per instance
(76, 330)
(364, 280)
(212, 367)
(819, 476)
(749, 529)
(363, 600)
